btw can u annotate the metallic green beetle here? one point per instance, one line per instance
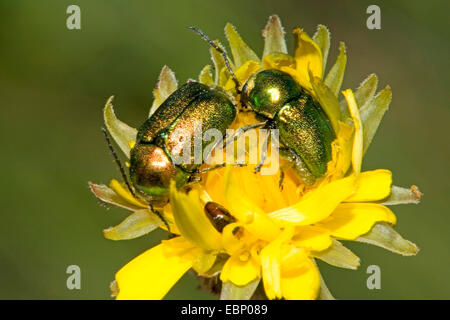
(304, 129)
(151, 159)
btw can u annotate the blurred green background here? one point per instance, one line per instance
(54, 83)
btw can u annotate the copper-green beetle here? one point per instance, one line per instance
(305, 131)
(151, 159)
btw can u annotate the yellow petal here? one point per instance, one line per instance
(357, 151)
(242, 73)
(230, 242)
(302, 285)
(153, 273)
(271, 258)
(308, 57)
(126, 194)
(343, 146)
(214, 184)
(312, 238)
(246, 70)
(268, 195)
(316, 205)
(240, 269)
(277, 61)
(204, 261)
(293, 259)
(239, 49)
(350, 220)
(192, 221)
(246, 211)
(372, 186)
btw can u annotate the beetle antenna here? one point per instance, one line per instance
(117, 161)
(161, 217)
(222, 52)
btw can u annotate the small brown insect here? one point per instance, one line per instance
(219, 216)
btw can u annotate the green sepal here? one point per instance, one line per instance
(339, 256)
(217, 267)
(363, 95)
(322, 39)
(114, 288)
(401, 195)
(384, 236)
(122, 133)
(204, 261)
(205, 76)
(366, 90)
(372, 113)
(108, 195)
(273, 33)
(239, 49)
(135, 225)
(230, 291)
(336, 74)
(166, 85)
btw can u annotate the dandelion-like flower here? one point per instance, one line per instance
(276, 233)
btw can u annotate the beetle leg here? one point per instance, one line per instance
(263, 154)
(193, 180)
(214, 167)
(227, 140)
(216, 144)
(298, 165)
(117, 161)
(280, 182)
(223, 53)
(219, 166)
(196, 179)
(161, 217)
(239, 132)
(283, 169)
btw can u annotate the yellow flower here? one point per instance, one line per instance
(278, 232)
